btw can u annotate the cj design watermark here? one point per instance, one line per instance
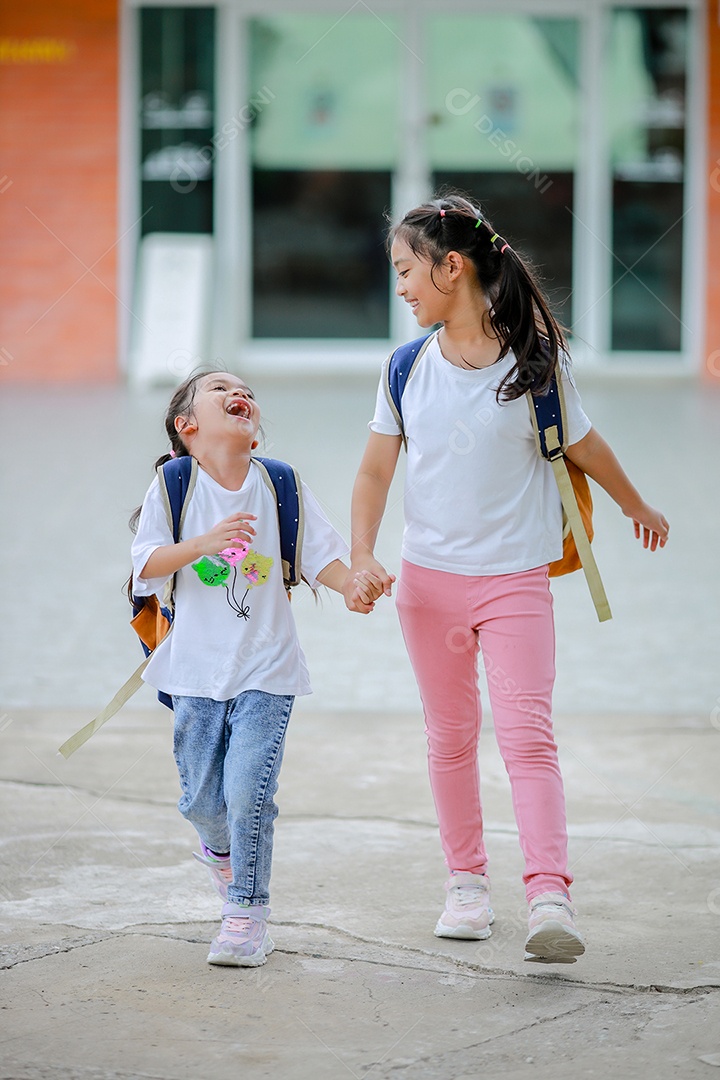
(462, 440)
(186, 174)
(715, 714)
(715, 176)
(713, 363)
(460, 102)
(181, 362)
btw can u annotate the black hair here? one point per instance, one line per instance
(181, 404)
(519, 313)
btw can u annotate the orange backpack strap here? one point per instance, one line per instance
(548, 417)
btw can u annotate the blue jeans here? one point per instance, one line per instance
(228, 755)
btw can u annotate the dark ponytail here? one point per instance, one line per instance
(519, 313)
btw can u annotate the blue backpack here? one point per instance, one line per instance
(152, 618)
(547, 412)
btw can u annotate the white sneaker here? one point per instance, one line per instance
(467, 911)
(553, 936)
(243, 939)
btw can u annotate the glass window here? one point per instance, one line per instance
(504, 114)
(323, 150)
(646, 119)
(177, 47)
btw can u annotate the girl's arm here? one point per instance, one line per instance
(369, 498)
(593, 455)
(167, 560)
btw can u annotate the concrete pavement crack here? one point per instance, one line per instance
(51, 948)
(442, 962)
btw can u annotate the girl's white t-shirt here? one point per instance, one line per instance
(238, 634)
(479, 499)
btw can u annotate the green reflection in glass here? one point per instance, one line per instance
(504, 128)
(335, 83)
(322, 153)
(502, 90)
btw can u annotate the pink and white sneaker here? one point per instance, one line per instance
(553, 937)
(219, 869)
(243, 940)
(467, 911)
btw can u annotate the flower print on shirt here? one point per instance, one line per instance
(215, 570)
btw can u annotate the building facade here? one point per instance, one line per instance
(184, 181)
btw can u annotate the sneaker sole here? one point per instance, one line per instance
(464, 933)
(553, 943)
(224, 957)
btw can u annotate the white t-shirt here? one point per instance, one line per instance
(238, 634)
(479, 499)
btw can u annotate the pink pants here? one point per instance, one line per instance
(446, 619)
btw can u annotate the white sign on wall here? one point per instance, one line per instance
(172, 308)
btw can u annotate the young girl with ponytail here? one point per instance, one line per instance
(482, 522)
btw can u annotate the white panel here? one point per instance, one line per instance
(172, 306)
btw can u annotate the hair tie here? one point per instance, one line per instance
(502, 245)
(478, 223)
(173, 454)
(442, 213)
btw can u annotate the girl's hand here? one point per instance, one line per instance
(375, 571)
(363, 587)
(367, 587)
(653, 525)
(354, 598)
(235, 527)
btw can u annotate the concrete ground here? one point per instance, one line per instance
(104, 916)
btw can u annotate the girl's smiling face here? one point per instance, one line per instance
(415, 284)
(223, 405)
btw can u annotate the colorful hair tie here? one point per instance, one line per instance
(478, 223)
(173, 454)
(504, 247)
(442, 213)
(494, 237)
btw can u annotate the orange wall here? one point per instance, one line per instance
(712, 338)
(58, 189)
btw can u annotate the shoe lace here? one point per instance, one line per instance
(469, 894)
(238, 925)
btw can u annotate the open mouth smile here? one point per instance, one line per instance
(239, 407)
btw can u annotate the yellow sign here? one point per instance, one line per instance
(36, 50)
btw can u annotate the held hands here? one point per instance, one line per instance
(364, 584)
(651, 525)
(235, 527)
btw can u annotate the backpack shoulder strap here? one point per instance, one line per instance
(547, 412)
(398, 368)
(285, 484)
(177, 479)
